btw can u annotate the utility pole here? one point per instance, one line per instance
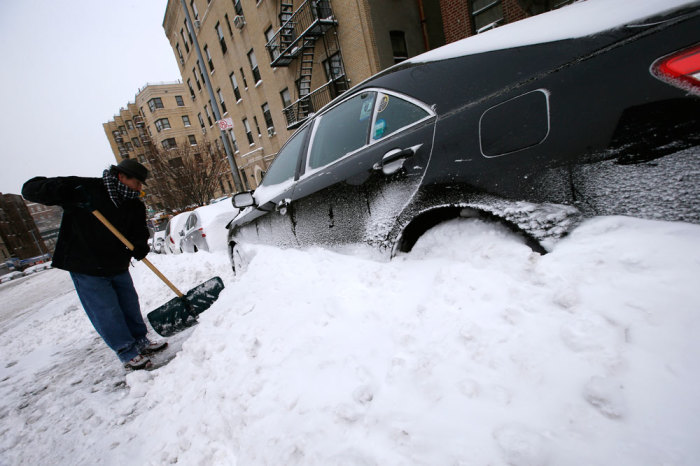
(214, 104)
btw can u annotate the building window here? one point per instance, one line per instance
(185, 120)
(220, 34)
(129, 124)
(179, 101)
(169, 143)
(162, 124)
(486, 14)
(176, 162)
(184, 41)
(208, 55)
(142, 158)
(248, 133)
(196, 78)
(189, 31)
(269, 35)
(136, 142)
(286, 98)
(189, 84)
(257, 126)
(155, 103)
(245, 83)
(221, 101)
(254, 66)
(333, 67)
(193, 140)
(268, 119)
(201, 71)
(194, 10)
(201, 121)
(398, 46)
(228, 24)
(206, 110)
(237, 6)
(233, 140)
(122, 130)
(129, 147)
(234, 83)
(179, 53)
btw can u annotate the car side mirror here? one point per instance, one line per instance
(243, 200)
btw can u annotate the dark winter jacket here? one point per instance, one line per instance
(84, 244)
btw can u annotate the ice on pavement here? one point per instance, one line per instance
(471, 350)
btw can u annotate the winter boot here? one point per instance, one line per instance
(153, 347)
(139, 362)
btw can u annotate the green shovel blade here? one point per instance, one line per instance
(180, 313)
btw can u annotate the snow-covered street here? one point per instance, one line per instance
(471, 350)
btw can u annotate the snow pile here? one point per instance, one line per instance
(470, 350)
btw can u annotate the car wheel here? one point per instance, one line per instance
(432, 219)
(239, 261)
(195, 248)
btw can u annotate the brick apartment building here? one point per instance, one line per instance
(48, 222)
(18, 231)
(160, 118)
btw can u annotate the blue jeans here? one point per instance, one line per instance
(112, 305)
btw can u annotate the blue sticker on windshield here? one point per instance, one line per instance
(379, 128)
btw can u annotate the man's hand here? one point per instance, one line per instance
(140, 252)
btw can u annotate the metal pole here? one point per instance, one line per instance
(214, 105)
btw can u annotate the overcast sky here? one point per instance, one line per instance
(67, 67)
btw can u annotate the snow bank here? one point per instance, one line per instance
(470, 350)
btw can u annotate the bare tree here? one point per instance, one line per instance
(185, 175)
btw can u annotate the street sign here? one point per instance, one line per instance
(225, 123)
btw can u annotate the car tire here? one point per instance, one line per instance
(239, 260)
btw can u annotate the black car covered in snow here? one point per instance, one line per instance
(592, 109)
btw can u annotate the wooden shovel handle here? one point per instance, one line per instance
(128, 244)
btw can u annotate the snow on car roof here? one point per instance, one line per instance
(579, 19)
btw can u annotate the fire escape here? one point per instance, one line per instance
(312, 24)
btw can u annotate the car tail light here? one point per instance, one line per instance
(682, 69)
(203, 234)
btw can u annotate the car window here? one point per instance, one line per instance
(191, 222)
(394, 113)
(342, 130)
(285, 164)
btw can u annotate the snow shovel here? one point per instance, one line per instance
(181, 312)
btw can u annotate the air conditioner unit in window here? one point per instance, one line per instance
(239, 21)
(270, 132)
(204, 131)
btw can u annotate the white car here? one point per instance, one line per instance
(174, 233)
(205, 229)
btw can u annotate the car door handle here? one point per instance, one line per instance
(388, 164)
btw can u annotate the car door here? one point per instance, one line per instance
(268, 222)
(364, 161)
